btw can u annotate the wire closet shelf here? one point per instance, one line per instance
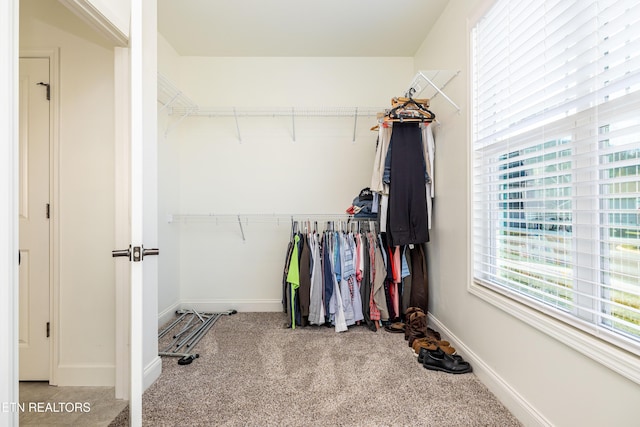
(300, 221)
(177, 103)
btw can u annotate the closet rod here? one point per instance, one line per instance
(242, 220)
(282, 112)
(266, 218)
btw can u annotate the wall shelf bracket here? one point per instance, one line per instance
(433, 82)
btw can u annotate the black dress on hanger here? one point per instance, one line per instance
(407, 216)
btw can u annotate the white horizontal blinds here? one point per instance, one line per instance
(556, 162)
(540, 61)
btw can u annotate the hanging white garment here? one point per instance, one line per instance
(428, 147)
(339, 320)
(384, 138)
(316, 303)
(384, 209)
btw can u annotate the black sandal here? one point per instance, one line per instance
(395, 328)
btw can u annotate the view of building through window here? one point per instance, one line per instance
(536, 234)
(620, 213)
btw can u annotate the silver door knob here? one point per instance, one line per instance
(154, 251)
(122, 252)
(135, 253)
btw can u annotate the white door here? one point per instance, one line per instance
(140, 163)
(34, 219)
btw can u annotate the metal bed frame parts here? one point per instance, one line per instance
(191, 326)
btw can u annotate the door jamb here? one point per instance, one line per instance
(9, 53)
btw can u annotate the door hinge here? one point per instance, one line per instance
(48, 211)
(48, 329)
(48, 86)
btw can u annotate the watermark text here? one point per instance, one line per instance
(51, 407)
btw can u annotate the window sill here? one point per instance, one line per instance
(623, 362)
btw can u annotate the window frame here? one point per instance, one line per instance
(611, 349)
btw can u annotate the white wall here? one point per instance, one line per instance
(168, 197)
(267, 172)
(540, 379)
(168, 59)
(85, 330)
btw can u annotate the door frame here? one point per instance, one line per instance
(9, 184)
(53, 56)
(9, 225)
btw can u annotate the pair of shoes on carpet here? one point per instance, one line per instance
(438, 360)
(432, 344)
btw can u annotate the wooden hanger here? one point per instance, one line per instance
(398, 100)
(411, 110)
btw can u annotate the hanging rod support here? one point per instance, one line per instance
(169, 102)
(235, 115)
(355, 123)
(440, 91)
(241, 229)
(173, 125)
(293, 123)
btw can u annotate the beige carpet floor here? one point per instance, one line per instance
(254, 372)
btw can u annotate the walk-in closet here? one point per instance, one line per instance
(296, 212)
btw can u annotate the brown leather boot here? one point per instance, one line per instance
(407, 317)
(417, 326)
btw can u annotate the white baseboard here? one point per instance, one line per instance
(86, 375)
(151, 372)
(168, 314)
(506, 394)
(247, 305)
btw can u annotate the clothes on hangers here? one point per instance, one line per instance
(413, 159)
(354, 277)
(403, 176)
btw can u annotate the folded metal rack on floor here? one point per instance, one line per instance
(191, 326)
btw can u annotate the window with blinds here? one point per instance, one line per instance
(556, 160)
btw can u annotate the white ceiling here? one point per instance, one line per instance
(297, 27)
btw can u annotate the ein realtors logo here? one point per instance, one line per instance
(51, 407)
